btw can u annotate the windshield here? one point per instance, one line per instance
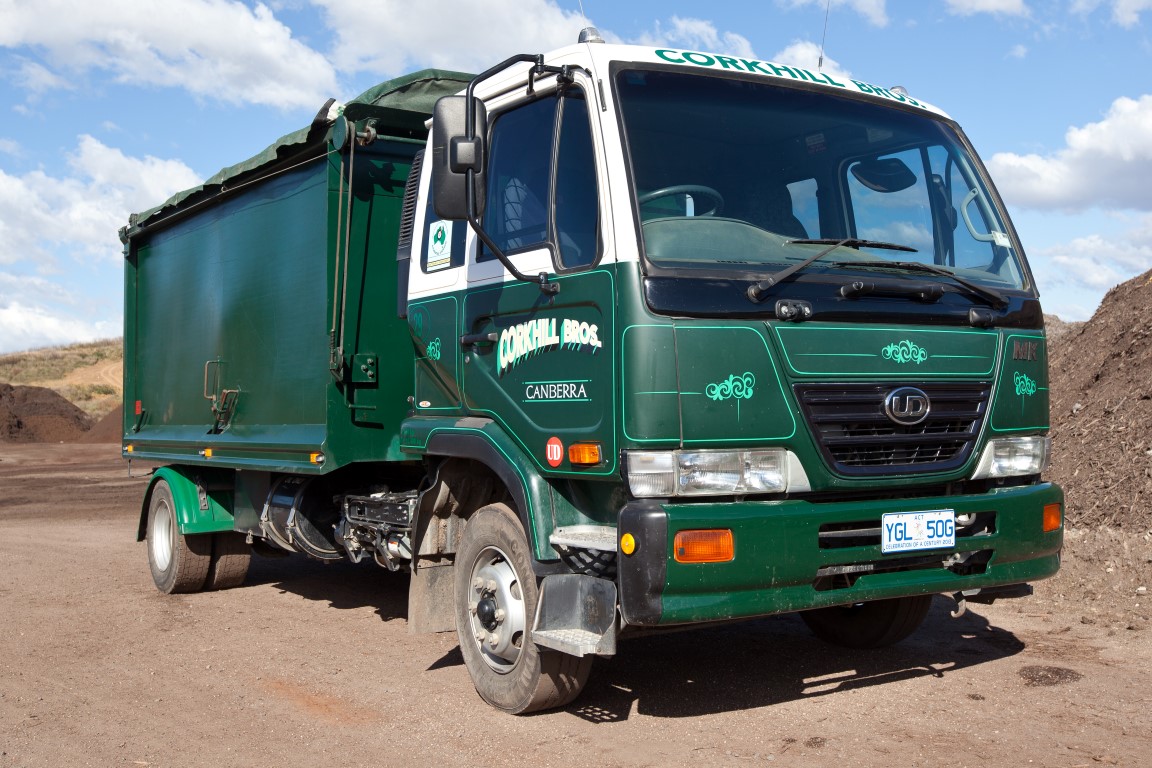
(730, 174)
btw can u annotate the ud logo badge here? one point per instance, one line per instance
(907, 406)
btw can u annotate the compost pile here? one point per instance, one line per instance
(39, 415)
(108, 429)
(1101, 396)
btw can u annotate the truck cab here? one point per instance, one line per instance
(765, 335)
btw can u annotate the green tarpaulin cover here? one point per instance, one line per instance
(397, 107)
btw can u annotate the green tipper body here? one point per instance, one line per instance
(260, 322)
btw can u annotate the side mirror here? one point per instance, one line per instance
(454, 155)
(887, 175)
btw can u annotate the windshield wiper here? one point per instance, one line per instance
(990, 295)
(757, 290)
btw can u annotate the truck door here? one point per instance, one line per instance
(435, 282)
(539, 363)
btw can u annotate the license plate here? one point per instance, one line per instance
(910, 531)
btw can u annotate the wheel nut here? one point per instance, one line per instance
(472, 608)
(499, 615)
(491, 585)
(477, 583)
(481, 635)
(494, 639)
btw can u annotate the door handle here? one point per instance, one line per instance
(479, 339)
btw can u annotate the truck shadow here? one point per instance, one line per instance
(702, 671)
(341, 584)
(773, 661)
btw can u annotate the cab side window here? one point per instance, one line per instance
(542, 181)
(577, 209)
(519, 173)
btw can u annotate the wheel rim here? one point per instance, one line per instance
(496, 610)
(163, 535)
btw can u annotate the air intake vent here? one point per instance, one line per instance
(858, 438)
(408, 213)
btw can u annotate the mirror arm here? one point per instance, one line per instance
(541, 279)
(538, 68)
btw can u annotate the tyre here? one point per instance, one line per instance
(496, 594)
(230, 557)
(179, 562)
(869, 625)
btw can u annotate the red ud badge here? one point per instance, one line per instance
(554, 451)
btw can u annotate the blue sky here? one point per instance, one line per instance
(109, 106)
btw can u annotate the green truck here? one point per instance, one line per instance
(610, 340)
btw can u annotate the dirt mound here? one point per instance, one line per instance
(108, 429)
(1101, 391)
(39, 415)
(1055, 328)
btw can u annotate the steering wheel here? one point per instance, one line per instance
(712, 196)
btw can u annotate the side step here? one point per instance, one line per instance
(576, 615)
(599, 537)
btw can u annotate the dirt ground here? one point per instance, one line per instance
(308, 664)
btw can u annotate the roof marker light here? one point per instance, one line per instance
(590, 35)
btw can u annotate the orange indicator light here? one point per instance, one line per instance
(627, 543)
(709, 546)
(584, 453)
(1053, 517)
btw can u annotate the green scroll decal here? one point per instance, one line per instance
(734, 386)
(1025, 385)
(434, 348)
(905, 352)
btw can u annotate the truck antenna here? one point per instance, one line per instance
(827, 10)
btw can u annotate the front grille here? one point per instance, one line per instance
(845, 576)
(858, 439)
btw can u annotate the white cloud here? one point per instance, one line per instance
(1104, 164)
(1078, 273)
(1126, 13)
(1018, 52)
(697, 34)
(219, 49)
(35, 312)
(453, 34)
(806, 55)
(43, 216)
(36, 78)
(873, 10)
(1096, 262)
(999, 7)
(39, 212)
(9, 147)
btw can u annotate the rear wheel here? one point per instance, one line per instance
(869, 625)
(496, 595)
(179, 562)
(231, 555)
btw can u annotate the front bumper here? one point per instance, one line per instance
(782, 562)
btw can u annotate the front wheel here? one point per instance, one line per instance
(496, 594)
(179, 562)
(873, 624)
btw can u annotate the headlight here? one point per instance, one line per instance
(1013, 457)
(652, 474)
(711, 473)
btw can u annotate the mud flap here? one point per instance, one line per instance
(431, 598)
